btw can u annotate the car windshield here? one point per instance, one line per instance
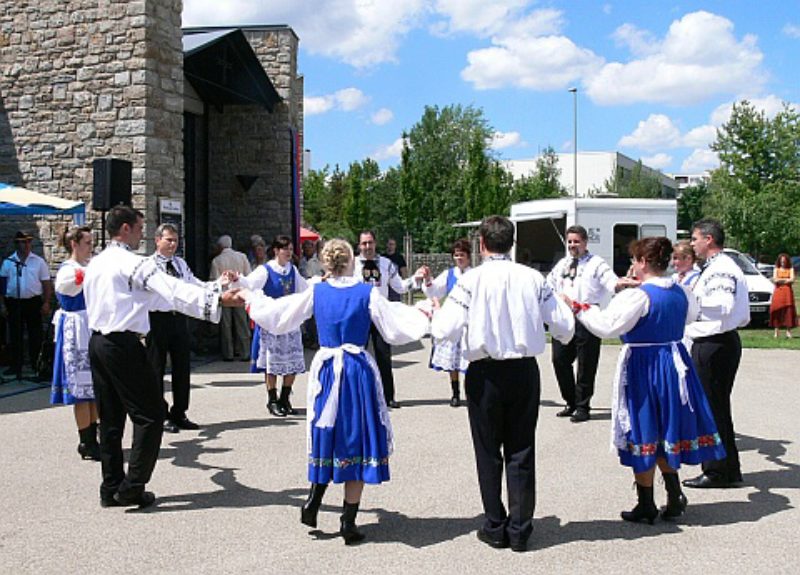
(745, 264)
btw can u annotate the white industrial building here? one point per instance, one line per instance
(594, 168)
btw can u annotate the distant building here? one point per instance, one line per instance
(594, 168)
(688, 180)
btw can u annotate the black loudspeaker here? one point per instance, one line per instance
(112, 183)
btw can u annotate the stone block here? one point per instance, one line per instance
(86, 131)
(42, 174)
(105, 102)
(122, 78)
(25, 102)
(126, 128)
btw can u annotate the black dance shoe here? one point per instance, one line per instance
(170, 427)
(347, 524)
(566, 412)
(184, 423)
(140, 500)
(275, 409)
(704, 481)
(645, 509)
(484, 537)
(580, 416)
(392, 404)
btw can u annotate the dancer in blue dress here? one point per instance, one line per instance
(660, 413)
(272, 354)
(72, 376)
(349, 432)
(446, 355)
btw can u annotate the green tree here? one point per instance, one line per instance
(448, 173)
(691, 205)
(543, 182)
(755, 192)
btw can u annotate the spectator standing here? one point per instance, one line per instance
(234, 329)
(782, 310)
(399, 262)
(27, 299)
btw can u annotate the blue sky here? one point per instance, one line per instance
(655, 79)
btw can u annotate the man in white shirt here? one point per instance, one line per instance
(721, 291)
(169, 332)
(586, 278)
(120, 287)
(381, 273)
(502, 306)
(234, 329)
(27, 298)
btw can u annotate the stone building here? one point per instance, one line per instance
(211, 119)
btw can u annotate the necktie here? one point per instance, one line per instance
(573, 269)
(172, 270)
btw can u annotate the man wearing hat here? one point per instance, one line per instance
(27, 298)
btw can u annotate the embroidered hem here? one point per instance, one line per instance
(683, 446)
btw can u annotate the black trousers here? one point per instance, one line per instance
(126, 384)
(383, 357)
(24, 314)
(716, 359)
(503, 405)
(169, 335)
(585, 347)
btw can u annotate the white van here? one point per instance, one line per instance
(612, 224)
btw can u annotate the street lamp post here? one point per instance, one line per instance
(574, 140)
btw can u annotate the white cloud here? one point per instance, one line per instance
(639, 42)
(607, 8)
(476, 16)
(359, 32)
(792, 30)
(346, 100)
(502, 140)
(657, 131)
(536, 63)
(658, 161)
(382, 116)
(390, 152)
(699, 161)
(700, 136)
(769, 104)
(698, 58)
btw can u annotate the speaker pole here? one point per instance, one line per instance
(103, 229)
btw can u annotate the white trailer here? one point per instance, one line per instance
(612, 224)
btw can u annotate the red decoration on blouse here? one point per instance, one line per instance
(78, 277)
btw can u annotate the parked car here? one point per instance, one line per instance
(759, 288)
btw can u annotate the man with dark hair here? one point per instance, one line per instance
(586, 278)
(169, 332)
(120, 287)
(502, 306)
(27, 298)
(379, 272)
(721, 291)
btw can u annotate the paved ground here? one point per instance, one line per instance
(229, 494)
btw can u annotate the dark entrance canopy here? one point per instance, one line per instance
(223, 69)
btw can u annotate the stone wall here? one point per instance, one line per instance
(263, 148)
(86, 79)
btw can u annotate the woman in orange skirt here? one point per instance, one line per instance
(782, 311)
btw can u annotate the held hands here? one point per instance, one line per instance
(423, 273)
(233, 297)
(228, 277)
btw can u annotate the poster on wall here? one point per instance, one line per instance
(171, 212)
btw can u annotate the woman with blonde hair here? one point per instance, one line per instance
(349, 432)
(684, 262)
(72, 375)
(782, 309)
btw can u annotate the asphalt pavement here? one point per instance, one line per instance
(229, 495)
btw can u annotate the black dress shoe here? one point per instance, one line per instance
(580, 416)
(491, 541)
(566, 412)
(392, 404)
(519, 546)
(704, 481)
(455, 401)
(184, 423)
(170, 427)
(141, 500)
(109, 502)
